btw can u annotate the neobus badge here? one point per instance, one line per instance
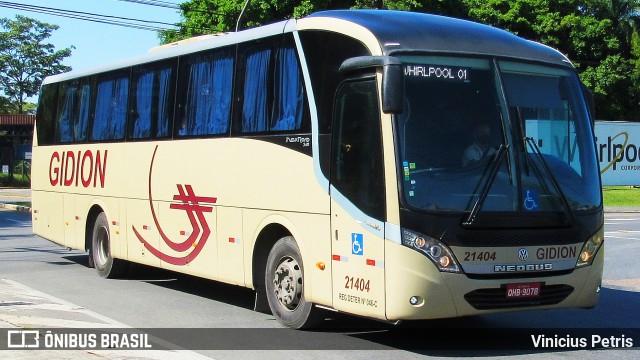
(71, 168)
(523, 268)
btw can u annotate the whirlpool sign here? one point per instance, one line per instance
(618, 148)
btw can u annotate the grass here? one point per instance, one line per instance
(621, 196)
(19, 180)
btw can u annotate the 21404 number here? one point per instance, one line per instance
(357, 283)
(480, 256)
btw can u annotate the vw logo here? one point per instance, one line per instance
(523, 254)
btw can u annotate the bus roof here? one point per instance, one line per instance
(403, 31)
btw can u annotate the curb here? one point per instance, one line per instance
(621, 210)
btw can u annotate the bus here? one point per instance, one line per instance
(386, 164)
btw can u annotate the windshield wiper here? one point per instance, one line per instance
(532, 144)
(493, 171)
(530, 164)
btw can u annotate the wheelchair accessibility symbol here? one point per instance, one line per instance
(357, 244)
(531, 200)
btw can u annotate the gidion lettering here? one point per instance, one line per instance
(78, 168)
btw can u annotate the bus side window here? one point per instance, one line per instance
(151, 102)
(47, 105)
(271, 89)
(255, 108)
(111, 107)
(206, 84)
(357, 163)
(73, 111)
(289, 110)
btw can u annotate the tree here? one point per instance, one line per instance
(212, 16)
(597, 35)
(25, 60)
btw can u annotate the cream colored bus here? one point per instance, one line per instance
(392, 165)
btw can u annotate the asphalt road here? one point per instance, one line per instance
(63, 292)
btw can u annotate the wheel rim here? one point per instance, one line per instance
(288, 283)
(102, 246)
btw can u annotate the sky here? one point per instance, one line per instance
(96, 43)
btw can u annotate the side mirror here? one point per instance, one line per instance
(392, 78)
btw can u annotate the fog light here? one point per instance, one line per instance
(416, 300)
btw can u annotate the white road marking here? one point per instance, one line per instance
(630, 284)
(17, 300)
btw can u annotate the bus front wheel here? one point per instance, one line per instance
(284, 283)
(105, 264)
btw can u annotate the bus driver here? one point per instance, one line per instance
(480, 148)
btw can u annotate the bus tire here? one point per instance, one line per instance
(105, 264)
(284, 284)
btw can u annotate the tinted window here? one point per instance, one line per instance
(206, 90)
(289, 111)
(324, 52)
(151, 103)
(45, 116)
(357, 169)
(74, 110)
(256, 90)
(273, 98)
(112, 92)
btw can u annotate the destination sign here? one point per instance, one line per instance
(437, 72)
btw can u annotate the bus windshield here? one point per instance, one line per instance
(512, 137)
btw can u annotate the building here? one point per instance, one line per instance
(16, 134)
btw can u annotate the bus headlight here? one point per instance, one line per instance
(439, 253)
(590, 248)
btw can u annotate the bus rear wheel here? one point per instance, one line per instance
(284, 283)
(105, 264)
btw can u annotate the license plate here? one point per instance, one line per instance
(523, 290)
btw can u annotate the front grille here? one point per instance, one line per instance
(488, 299)
(518, 275)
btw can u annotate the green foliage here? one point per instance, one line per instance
(18, 180)
(597, 35)
(25, 59)
(213, 16)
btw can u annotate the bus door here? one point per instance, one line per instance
(357, 200)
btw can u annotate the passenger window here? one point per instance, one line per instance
(74, 106)
(206, 89)
(151, 104)
(273, 98)
(46, 114)
(111, 107)
(289, 112)
(255, 108)
(357, 162)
